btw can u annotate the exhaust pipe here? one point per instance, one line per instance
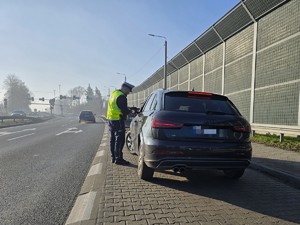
(179, 169)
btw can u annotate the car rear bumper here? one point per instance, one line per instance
(197, 164)
(197, 155)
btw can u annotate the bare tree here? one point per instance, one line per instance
(17, 94)
(93, 102)
(77, 91)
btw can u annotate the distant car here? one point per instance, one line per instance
(87, 116)
(186, 130)
(18, 114)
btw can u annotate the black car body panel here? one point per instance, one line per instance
(191, 129)
(165, 155)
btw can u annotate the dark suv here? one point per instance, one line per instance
(186, 130)
(87, 116)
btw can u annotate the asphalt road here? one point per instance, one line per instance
(42, 167)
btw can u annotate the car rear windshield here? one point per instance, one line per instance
(197, 103)
(86, 113)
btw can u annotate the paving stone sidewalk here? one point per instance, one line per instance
(115, 195)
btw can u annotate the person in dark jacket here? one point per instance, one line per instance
(117, 112)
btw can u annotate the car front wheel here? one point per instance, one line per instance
(128, 141)
(144, 172)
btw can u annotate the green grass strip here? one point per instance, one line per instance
(289, 143)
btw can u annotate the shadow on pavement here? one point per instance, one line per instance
(254, 191)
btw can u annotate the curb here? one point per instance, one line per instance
(293, 180)
(86, 206)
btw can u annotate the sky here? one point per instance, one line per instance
(61, 44)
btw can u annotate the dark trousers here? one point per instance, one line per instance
(117, 138)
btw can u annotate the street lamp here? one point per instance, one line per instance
(165, 67)
(123, 74)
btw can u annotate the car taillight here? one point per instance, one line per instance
(205, 94)
(242, 128)
(158, 123)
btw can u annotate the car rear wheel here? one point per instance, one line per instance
(144, 172)
(128, 141)
(234, 173)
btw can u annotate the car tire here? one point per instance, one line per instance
(144, 172)
(234, 173)
(128, 142)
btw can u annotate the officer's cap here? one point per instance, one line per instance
(130, 86)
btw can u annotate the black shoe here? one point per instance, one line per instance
(113, 160)
(122, 162)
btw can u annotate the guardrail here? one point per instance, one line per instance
(276, 129)
(14, 118)
(21, 119)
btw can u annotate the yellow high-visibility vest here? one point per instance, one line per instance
(113, 111)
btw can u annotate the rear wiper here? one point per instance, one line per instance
(218, 112)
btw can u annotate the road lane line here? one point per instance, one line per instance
(15, 132)
(26, 135)
(82, 209)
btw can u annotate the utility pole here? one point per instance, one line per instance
(61, 106)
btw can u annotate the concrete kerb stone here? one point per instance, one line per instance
(86, 207)
(292, 180)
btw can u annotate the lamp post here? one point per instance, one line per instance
(165, 67)
(123, 74)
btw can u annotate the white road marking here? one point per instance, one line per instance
(73, 130)
(95, 169)
(26, 135)
(103, 144)
(100, 153)
(15, 132)
(82, 209)
(103, 120)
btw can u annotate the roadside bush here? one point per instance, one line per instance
(289, 143)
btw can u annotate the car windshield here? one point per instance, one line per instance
(185, 103)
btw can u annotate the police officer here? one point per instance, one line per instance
(117, 112)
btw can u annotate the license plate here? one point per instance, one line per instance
(209, 131)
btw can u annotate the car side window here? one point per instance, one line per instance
(145, 103)
(149, 103)
(154, 103)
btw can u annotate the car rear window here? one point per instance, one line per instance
(86, 113)
(209, 104)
